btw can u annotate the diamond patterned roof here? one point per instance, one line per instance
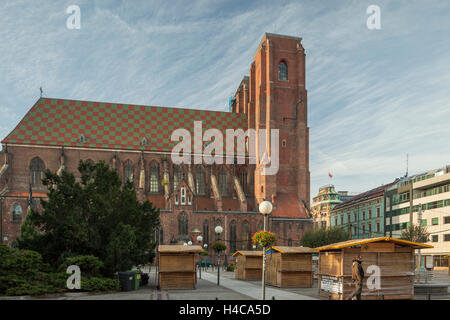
(60, 122)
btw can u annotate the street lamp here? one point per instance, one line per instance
(200, 239)
(190, 243)
(218, 231)
(265, 208)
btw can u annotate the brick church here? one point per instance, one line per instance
(136, 140)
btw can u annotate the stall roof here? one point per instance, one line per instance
(179, 248)
(352, 243)
(248, 253)
(283, 249)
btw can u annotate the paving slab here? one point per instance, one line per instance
(252, 290)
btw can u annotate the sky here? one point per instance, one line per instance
(374, 95)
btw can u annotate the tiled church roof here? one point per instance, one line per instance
(61, 122)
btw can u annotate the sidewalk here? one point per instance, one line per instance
(254, 291)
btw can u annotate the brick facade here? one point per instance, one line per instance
(266, 101)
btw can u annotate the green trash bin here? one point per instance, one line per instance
(136, 278)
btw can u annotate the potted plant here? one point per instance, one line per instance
(219, 246)
(264, 238)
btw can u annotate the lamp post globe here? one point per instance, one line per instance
(218, 230)
(199, 238)
(265, 207)
(189, 243)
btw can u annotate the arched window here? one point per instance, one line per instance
(37, 168)
(161, 236)
(154, 177)
(183, 226)
(245, 243)
(233, 236)
(177, 176)
(128, 171)
(17, 212)
(90, 161)
(282, 71)
(223, 181)
(243, 180)
(201, 181)
(206, 232)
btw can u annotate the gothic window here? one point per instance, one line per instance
(154, 177)
(282, 71)
(183, 225)
(243, 180)
(201, 185)
(17, 212)
(245, 244)
(223, 181)
(177, 176)
(37, 168)
(161, 236)
(128, 171)
(183, 195)
(206, 232)
(233, 236)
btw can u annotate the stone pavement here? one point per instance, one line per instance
(253, 288)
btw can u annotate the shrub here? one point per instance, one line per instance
(99, 284)
(31, 289)
(231, 268)
(90, 266)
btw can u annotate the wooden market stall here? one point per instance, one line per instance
(393, 257)
(176, 266)
(289, 267)
(248, 265)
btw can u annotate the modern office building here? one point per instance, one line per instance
(429, 206)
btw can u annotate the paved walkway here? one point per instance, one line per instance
(254, 291)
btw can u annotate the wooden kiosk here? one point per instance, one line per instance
(289, 267)
(248, 265)
(176, 266)
(393, 257)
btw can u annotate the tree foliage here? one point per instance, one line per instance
(415, 233)
(93, 215)
(324, 236)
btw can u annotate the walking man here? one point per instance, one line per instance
(357, 278)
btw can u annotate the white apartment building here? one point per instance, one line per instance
(430, 207)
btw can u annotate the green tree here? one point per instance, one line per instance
(324, 236)
(415, 233)
(94, 215)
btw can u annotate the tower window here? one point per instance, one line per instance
(183, 196)
(283, 143)
(282, 71)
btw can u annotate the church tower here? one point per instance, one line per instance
(274, 97)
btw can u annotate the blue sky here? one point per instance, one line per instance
(373, 95)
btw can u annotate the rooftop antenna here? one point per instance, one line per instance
(407, 158)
